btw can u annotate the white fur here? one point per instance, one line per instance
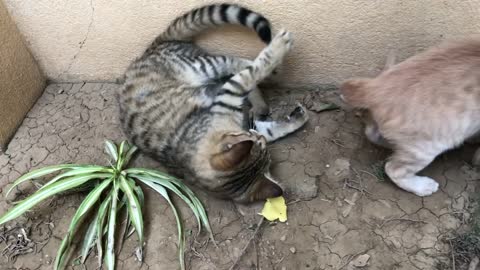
(235, 101)
(232, 13)
(250, 19)
(419, 185)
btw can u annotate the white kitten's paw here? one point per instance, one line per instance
(421, 186)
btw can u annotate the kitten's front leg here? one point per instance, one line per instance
(375, 137)
(274, 130)
(372, 131)
(403, 166)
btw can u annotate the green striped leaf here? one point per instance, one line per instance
(121, 154)
(134, 208)
(172, 187)
(197, 208)
(138, 190)
(111, 150)
(145, 170)
(129, 154)
(77, 172)
(41, 172)
(189, 197)
(122, 149)
(41, 195)
(84, 207)
(120, 204)
(112, 218)
(141, 199)
(89, 239)
(103, 210)
(181, 237)
(201, 212)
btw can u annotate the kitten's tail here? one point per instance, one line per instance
(185, 27)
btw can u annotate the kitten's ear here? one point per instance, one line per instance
(232, 156)
(355, 92)
(266, 188)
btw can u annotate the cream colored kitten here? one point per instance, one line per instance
(420, 108)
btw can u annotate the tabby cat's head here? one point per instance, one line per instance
(240, 161)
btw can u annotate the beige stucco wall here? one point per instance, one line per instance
(21, 81)
(335, 39)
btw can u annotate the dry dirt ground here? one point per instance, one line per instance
(341, 209)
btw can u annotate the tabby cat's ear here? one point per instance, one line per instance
(266, 188)
(232, 156)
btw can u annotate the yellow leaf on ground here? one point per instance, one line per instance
(275, 208)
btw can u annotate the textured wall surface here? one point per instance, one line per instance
(21, 81)
(335, 39)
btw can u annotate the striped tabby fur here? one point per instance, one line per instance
(191, 110)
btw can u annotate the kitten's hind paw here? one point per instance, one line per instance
(278, 48)
(283, 39)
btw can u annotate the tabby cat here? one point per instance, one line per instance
(192, 110)
(420, 108)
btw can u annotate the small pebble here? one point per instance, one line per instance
(360, 261)
(283, 238)
(293, 250)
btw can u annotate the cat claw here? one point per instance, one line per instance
(260, 139)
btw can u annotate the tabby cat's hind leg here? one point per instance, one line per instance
(204, 68)
(270, 57)
(239, 86)
(274, 130)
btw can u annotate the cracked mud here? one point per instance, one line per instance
(342, 214)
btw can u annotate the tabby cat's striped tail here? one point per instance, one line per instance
(185, 27)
